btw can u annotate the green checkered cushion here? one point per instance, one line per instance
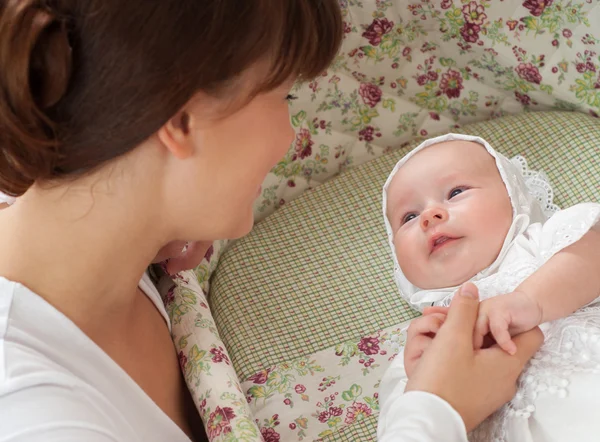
(318, 272)
(363, 431)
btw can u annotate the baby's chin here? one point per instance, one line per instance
(437, 282)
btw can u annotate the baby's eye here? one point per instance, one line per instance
(456, 191)
(291, 98)
(408, 217)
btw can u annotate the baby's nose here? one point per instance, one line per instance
(433, 216)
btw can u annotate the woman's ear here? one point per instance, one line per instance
(176, 135)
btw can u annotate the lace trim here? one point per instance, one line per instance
(397, 341)
(538, 186)
(568, 234)
(572, 345)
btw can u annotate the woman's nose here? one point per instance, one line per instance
(433, 216)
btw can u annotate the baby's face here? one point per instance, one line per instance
(449, 211)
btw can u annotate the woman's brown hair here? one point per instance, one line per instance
(83, 82)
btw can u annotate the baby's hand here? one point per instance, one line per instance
(504, 316)
(421, 332)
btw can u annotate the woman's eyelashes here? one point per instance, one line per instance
(291, 98)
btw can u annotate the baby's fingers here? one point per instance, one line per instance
(482, 328)
(499, 330)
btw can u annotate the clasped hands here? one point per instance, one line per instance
(445, 353)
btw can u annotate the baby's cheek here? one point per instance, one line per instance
(495, 214)
(410, 252)
(501, 225)
(400, 250)
(503, 213)
(494, 229)
(409, 262)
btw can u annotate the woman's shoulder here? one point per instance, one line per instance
(55, 380)
(34, 336)
(40, 397)
(38, 411)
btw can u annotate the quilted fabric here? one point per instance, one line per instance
(306, 304)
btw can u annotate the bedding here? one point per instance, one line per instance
(306, 314)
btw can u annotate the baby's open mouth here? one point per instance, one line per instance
(439, 241)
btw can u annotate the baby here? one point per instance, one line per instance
(457, 211)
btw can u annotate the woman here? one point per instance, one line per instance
(125, 128)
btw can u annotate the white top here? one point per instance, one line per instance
(57, 385)
(418, 417)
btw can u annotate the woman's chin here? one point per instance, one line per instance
(243, 227)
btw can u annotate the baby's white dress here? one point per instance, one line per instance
(558, 398)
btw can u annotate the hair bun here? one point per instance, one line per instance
(35, 68)
(51, 61)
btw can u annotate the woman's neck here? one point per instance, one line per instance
(83, 251)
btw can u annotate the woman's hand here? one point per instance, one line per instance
(179, 260)
(474, 382)
(420, 334)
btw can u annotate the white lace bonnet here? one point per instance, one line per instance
(530, 195)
